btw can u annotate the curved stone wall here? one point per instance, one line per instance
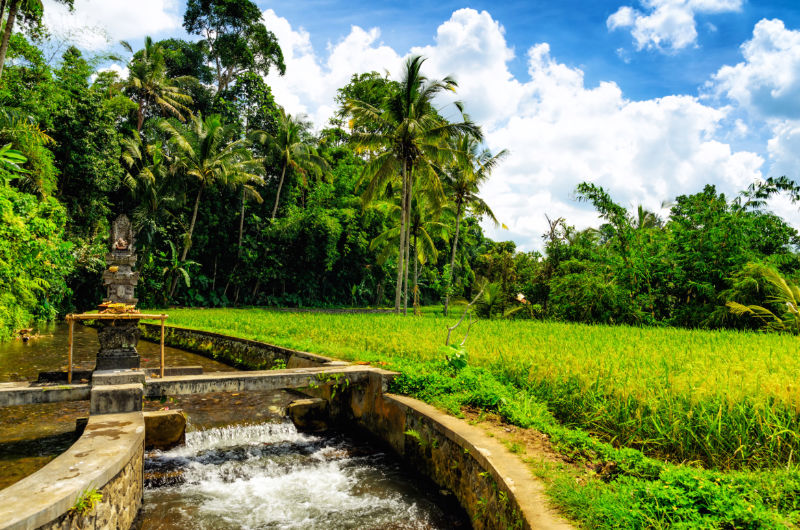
(107, 458)
(494, 487)
(242, 353)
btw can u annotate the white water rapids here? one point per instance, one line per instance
(271, 476)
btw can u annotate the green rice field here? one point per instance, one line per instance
(722, 399)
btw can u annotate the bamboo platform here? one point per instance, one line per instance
(71, 318)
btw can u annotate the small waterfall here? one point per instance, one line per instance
(269, 475)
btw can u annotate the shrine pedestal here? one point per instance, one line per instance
(118, 340)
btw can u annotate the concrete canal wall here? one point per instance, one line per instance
(241, 353)
(107, 459)
(494, 487)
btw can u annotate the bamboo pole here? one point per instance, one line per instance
(69, 356)
(163, 317)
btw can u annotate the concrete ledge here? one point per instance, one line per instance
(261, 380)
(117, 377)
(174, 370)
(241, 353)
(28, 394)
(110, 444)
(526, 503)
(115, 399)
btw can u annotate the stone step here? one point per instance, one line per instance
(113, 399)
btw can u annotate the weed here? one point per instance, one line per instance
(86, 501)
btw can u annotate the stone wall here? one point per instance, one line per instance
(241, 353)
(492, 485)
(107, 458)
(119, 506)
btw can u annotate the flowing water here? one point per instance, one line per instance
(243, 465)
(268, 475)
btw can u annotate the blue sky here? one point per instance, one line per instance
(575, 29)
(648, 98)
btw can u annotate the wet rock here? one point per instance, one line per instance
(164, 429)
(309, 414)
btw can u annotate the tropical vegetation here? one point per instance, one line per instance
(659, 345)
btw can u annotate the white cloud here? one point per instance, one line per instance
(667, 25)
(767, 82)
(559, 131)
(94, 24)
(310, 83)
(766, 87)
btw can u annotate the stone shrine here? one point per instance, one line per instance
(118, 338)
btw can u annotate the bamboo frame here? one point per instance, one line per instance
(111, 316)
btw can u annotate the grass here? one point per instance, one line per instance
(717, 409)
(725, 399)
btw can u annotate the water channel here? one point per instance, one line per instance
(243, 465)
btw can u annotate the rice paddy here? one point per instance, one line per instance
(723, 399)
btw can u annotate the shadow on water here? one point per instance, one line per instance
(47, 351)
(32, 435)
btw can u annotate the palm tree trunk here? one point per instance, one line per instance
(452, 260)
(408, 242)
(12, 14)
(187, 243)
(140, 117)
(241, 226)
(400, 255)
(416, 276)
(278, 195)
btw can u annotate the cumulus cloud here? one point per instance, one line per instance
(765, 86)
(310, 83)
(94, 23)
(767, 82)
(667, 25)
(559, 131)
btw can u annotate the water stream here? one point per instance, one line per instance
(269, 475)
(243, 465)
(47, 351)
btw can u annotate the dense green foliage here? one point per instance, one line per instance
(675, 375)
(34, 259)
(235, 202)
(385, 200)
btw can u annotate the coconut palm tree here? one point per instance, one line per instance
(424, 224)
(470, 168)
(294, 153)
(783, 296)
(646, 219)
(148, 84)
(404, 138)
(205, 151)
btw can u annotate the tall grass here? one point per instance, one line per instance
(725, 399)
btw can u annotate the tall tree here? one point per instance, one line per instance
(148, 84)
(294, 153)
(205, 151)
(237, 39)
(470, 168)
(405, 137)
(32, 10)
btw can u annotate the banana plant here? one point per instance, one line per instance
(11, 161)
